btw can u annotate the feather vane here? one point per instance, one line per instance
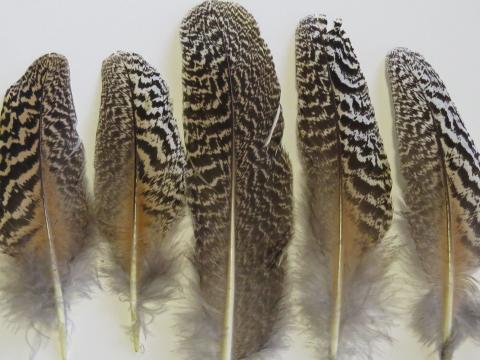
(239, 179)
(139, 184)
(347, 207)
(43, 215)
(440, 165)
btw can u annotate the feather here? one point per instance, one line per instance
(347, 207)
(239, 181)
(43, 213)
(440, 165)
(139, 184)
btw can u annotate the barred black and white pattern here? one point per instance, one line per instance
(365, 167)
(136, 111)
(347, 207)
(435, 150)
(233, 130)
(139, 180)
(43, 212)
(461, 157)
(38, 116)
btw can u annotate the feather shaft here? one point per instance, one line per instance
(338, 275)
(229, 322)
(57, 285)
(229, 318)
(56, 280)
(134, 279)
(449, 276)
(135, 323)
(338, 268)
(59, 302)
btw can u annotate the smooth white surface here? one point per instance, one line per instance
(86, 32)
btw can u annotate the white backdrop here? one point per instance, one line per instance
(87, 31)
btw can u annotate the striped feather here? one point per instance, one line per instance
(440, 165)
(239, 182)
(43, 212)
(347, 207)
(139, 184)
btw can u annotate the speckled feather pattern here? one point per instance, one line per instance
(231, 98)
(136, 121)
(333, 94)
(38, 115)
(139, 161)
(434, 144)
(407, 70)
(38, 135)
(341, 151)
